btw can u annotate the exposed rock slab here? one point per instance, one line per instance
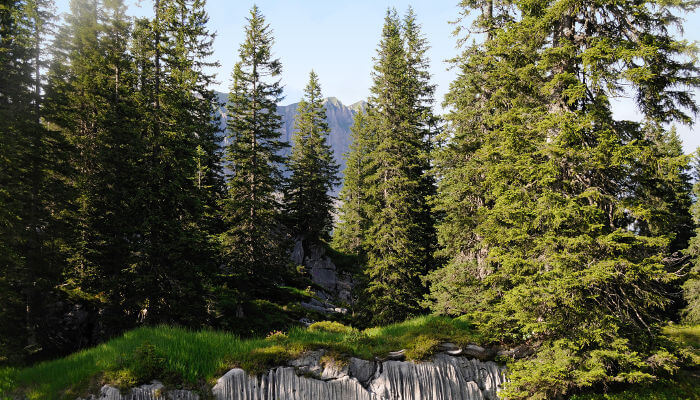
(153, 391)
(283, 383)
(445, 378)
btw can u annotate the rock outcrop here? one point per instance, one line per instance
(154, 391)
(336, 285)
(309, 377)
(444, 378)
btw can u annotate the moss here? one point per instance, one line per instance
(422, 347)
(262, 359)
(330, 326)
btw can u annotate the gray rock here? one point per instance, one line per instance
(152, 391)
(444, 378)
(309, 363)
(362, 370)
(333, 369)
(284, 384)
(323, 277)
(298, 253)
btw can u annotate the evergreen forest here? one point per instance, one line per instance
(526, 216)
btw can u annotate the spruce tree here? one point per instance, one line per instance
(253, 243)
(31, 196)
(556, 236)
(691, 288)
(353, 222)
(399, 235)
(308, 204)
(178, 256)
(90, 103)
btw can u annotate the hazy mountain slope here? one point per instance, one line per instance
(340, 119)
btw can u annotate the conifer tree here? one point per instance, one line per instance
(353, 222)
(308, 204)
(398, 236)
(30, 198)
(184, 179)
(90, 102)
(554, 232)
(691, 288)
(253, 244)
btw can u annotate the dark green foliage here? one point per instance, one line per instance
(136, 108)
(558, 219)
(90, 103)
(313, 171)
(691, 288)
(253, 243)
(181, 159)
(399, 238)
(32, 191)
(350, 231)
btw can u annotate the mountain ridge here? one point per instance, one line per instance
(340, 118)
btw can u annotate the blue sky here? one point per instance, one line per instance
(338, 40)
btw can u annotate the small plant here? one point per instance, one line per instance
(330, 326)
(144, 365)
(422, 347)
(276, 336)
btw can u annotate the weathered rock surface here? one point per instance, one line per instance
(445, 377)
(154, 391)
(334, 285)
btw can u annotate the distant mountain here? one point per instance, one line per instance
(340, 119)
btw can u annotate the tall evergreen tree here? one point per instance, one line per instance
(253, 243)
(181, 161)
(555, 233)
(353, 222)
(308, 204)
(691, 288)
(30, 197)
(90, 102)
(398, 237)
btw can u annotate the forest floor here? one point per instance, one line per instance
(188, 359)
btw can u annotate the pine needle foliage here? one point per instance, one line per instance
(254, 243)
(308, 205)
(557, 223)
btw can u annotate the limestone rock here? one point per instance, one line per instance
(284, 384)
(298, 253)
(362, 370)
(309, 363)
(152, 391)
(445, 378)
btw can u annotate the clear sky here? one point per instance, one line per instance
(338, 38)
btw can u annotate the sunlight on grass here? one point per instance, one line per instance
(192, 358)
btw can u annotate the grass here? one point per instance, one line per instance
(194, 359)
